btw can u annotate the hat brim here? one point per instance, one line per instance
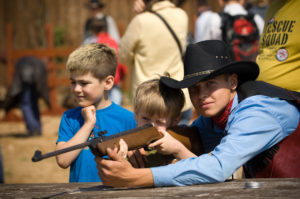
(245, 70)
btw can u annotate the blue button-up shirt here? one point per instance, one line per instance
(254, 125)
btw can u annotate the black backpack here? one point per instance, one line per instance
(241, 35)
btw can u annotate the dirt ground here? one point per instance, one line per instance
(18, 149)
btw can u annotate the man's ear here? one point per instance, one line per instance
(233, 80)
(109, 82)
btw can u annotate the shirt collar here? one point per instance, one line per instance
(162, 4)
(235, 102)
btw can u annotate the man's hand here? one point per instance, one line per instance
(137, 158)
(118, 172)
(138, 6)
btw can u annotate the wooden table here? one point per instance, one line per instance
(270, 188)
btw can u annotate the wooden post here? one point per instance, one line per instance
(50, 52)
(51, 69)
(9, 60)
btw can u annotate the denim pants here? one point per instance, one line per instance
(30, 109)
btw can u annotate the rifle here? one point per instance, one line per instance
(135, 138)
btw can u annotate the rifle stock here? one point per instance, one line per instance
(135, 138)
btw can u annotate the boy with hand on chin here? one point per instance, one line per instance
(241, 122)
(91, 68)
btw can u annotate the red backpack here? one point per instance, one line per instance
(241, 35)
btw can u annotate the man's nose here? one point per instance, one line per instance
(203, 94)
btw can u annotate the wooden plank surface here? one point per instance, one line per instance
(270, 188)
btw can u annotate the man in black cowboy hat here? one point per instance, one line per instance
(241, 122)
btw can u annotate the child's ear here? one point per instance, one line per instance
(109, 82)
(135, 116)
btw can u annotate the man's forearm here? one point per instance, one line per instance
(142, 178)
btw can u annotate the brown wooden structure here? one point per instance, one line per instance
(269, 188)
(25, 35)
(49, 53)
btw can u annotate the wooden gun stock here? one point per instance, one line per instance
(135, 139)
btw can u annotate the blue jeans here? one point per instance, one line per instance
(30, 109)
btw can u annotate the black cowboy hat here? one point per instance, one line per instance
(207, 59)
(94, 4)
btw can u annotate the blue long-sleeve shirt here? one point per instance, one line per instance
(254, 125)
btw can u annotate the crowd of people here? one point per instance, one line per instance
(246, 98)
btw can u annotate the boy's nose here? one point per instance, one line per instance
(77, 88)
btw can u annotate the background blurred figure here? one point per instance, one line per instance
(149, 49)
(259, 7)
(95, 27)
(204, 29)
(209, 25)
(95, 7)
(240, 30)
(279, 46)
(29, 83)
(236, 7)
(100, 35)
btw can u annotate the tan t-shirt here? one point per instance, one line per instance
(149, 49)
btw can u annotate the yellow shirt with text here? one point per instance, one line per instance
(279, 45)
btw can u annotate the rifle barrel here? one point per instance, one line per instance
(38, 154)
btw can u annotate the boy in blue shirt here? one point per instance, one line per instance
(91, 68)
(237, 127)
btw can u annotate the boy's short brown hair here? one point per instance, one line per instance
(98, 59)
(156, 99)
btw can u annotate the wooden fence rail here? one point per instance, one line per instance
(50, 53)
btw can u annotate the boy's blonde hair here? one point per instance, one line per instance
(98, 59)
(156, 99)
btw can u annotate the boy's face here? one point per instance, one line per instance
(212, 96)
(159, 123)
(87, 89)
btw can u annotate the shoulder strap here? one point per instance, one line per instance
(226, 23)
(171, 31)
(251, 88)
